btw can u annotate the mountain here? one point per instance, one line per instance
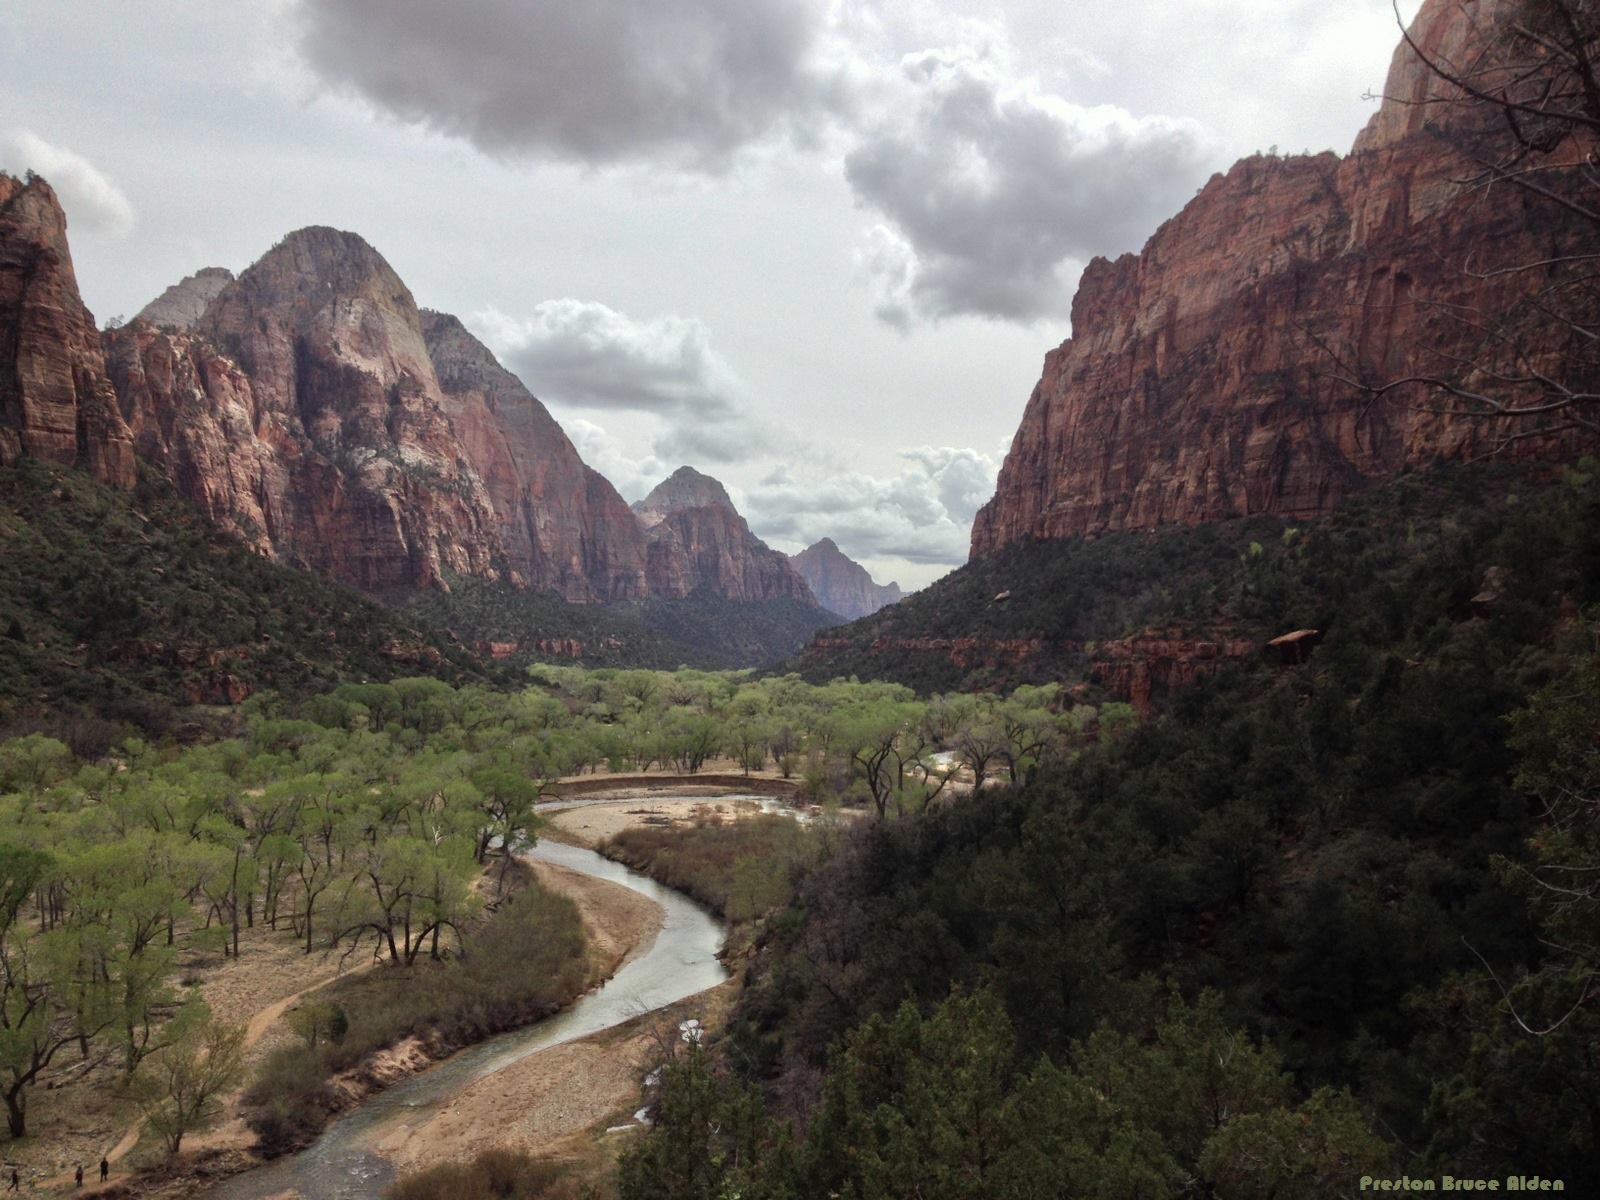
(186, 301)
(302, 408)
(1203, 378)
(563, 526)
(311, 407)
(55, 402)
(840, 584)
(698, 541)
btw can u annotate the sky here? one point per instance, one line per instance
(817, 250)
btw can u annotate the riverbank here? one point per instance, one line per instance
(357, 1156)
(616, 923)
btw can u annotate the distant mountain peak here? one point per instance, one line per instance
(685, 488)
(186, 301)
(840, 584)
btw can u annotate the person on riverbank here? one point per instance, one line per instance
(105, 1168)
(77, 1178)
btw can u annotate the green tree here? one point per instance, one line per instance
(178, 1089)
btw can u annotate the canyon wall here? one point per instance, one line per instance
(55, 401)
(1211, 376)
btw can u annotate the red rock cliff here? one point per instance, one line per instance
(56, 403)
(1200, 380)
(698, 541)
(304, 404)
(563, 525)
(311, 408)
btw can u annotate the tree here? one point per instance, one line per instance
(177, 1088)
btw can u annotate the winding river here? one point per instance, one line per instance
(343, 1165)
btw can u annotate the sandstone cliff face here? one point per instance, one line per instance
(697, 540)
(304, 403)
(56, 403)
(186, 301)
(192, 412)
(840, 584)
(564, 527)
(1202, 378)
(311, 408)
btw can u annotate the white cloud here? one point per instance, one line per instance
(923, 515)
(92, 201)
(632, 477)
(603, 81)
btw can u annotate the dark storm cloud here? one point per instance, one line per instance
(599, 81)
(991, 188)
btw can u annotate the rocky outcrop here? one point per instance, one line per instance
(192, 412)
(56, 403)
(1210, 376)
(563, 526)
(698, 541)
(840, 584)
(1152, 663)
(186, 301)
(303, 405)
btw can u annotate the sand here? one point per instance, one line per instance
(590, 822)
(557, 1092)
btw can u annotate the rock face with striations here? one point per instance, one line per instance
(56, 403)
(303, 405)
(698, 541)
(840, 584)
(564, 527)
(1202, 379)
(186, 301)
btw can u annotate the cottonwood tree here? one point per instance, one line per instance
(178, 1089)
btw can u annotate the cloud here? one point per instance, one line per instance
(922, 515)
(737, 438)
(686, 81)
(994, 192)
(584, 354)
(91, 200)
(633, 477)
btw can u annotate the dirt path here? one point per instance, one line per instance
(281, 965)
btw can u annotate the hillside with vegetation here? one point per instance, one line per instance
(1040, 611)
(132, 612)
(520, 626)
(1304, 922)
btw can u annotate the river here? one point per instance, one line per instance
(342, 1164)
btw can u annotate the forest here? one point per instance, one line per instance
(370, 823)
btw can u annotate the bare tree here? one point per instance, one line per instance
(1518, 104)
